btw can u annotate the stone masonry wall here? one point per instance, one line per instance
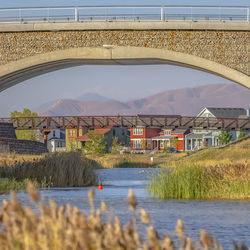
(7, 130)
(10, 144)
(230, 48)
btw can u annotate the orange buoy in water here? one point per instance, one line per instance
(99, 186)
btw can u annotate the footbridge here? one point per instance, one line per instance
(160, 121)
(35, 41)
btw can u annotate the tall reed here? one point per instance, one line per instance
(230, 181)
(66, 228)
(66, 169)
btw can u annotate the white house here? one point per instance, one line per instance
(210, 138)
(56, 140)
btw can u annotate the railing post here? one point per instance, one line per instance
(162, 14)
(48, 14)
(20, 15)
(76, 14)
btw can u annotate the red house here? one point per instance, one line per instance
(141, 139)
(145, 140)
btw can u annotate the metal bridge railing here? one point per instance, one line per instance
(124, 13)
(161, 121)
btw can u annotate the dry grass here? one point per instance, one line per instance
(66, 169)
(66, 228)
(135, 160)
(121, 160)
(7, 160)
(237, 153)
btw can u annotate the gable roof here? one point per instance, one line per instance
(225, 112)
(101, 131)
(179, 131)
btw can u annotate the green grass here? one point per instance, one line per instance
(6, 185)
(12, 184)
(181, 183)
(196, 182)
(129, 164)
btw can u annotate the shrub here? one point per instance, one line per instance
(224, 137)
(96, 144)
(241, 135)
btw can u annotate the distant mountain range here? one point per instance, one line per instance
(185, 101)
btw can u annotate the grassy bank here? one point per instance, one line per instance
(237, 152)
(67, 228)
(196, 182)
(122, 160)
(134, 160)
(207, 174)
(67, 169)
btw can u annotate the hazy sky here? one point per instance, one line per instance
(118, 82)
(30, 3)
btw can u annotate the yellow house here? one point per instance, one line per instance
(70, 137)
(76, 138)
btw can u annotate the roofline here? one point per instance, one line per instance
(202, 111)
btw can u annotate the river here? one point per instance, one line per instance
(226, 220)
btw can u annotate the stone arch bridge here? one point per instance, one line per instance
(31, 49)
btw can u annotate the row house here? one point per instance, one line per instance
(145, 140)
(199, 138)
(77, 137)
(55, 140)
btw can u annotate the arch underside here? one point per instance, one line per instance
(21, 70)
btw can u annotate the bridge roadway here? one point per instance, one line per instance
(161, 121)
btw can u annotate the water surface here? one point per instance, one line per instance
(226, 220)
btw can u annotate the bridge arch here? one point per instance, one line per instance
(14, 72)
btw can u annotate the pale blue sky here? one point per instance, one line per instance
(31, 3)
(118, 82)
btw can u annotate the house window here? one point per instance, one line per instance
(54, 133)
(149, 144)
(161, 144)
(113, 132)
(137, 144)
(137, 131)
(167, 132)
(72, 132)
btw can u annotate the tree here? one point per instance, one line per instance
(241, 135)
(116, 146)
(225, 137)
(32, 135)
(174, 142)
(144, 144)
(96, 144)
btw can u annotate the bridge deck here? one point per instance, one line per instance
(161, 121)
